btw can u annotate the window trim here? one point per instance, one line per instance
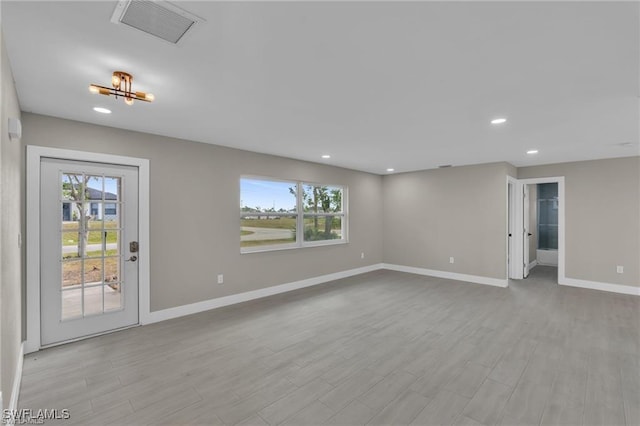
(300, 215)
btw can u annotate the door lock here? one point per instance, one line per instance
(133, 247)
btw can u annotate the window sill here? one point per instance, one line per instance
(249, 250)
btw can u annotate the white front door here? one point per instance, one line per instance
(88, 259)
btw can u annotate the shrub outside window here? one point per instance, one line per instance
(277, 214)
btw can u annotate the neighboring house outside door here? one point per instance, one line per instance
(110, 210)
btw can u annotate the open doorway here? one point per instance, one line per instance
(541, 223)
(535, 225)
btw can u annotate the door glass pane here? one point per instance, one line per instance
(71, 303)
(112, 188)
(95, 246)
(112, 213)
(71, 186)
(69, 242)
(112, 297)
(82, 217)
(113, 243)
(112, 269)
(93, 271)
(96, 213)
(92, 300)
(94, 188)
(71, 273)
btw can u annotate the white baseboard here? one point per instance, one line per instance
(533, 264)
(595, 285)
(219, 302)
(17, 379)
(449, 275)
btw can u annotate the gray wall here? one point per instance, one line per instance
(10, 252)
(194, 199)
(602, 218)
(459, 211)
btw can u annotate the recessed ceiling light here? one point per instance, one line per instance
(391, 170)
(102, 110)
(532, 151)
(326, 156)
(498, 121)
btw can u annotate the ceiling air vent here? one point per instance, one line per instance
(158, 18)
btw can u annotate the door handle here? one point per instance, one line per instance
(529, 234)
(131, 259)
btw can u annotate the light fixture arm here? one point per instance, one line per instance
(122, 86)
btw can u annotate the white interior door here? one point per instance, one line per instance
(88, 259)
(525, 229)
(510, 226)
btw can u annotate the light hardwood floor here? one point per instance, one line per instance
(380, 348)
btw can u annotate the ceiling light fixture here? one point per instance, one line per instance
(102, 110)
(532, 151)
(121, 82)
(391, 170)
(325, 156)
(498, 121)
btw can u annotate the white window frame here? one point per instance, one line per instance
(300, 215)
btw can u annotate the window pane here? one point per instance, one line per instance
(322, 198)
(265, 196)
(321, 228)
(263, 230)
(263, 207)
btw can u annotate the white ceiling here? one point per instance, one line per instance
(376, 85)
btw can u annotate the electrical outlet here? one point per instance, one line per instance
(362, 255)
(451, 259)
(220, 278)
(620, 269)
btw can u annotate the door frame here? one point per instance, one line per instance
(516, 208)
(526, 219)
(34, 157)
(512, 225)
